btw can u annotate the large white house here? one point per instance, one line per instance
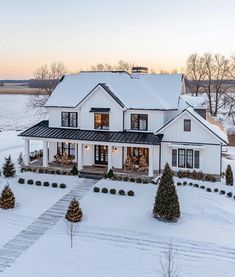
(103, 118)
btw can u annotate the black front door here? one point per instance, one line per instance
(101, 154)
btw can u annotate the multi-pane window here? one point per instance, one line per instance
(68, 148)
(101, 121)
(174, 157)
(139, 122)
(68, 119)
(187, 158)
(181, 158)
(187, 125)
(196, 159)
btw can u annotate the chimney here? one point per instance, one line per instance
(136, 71)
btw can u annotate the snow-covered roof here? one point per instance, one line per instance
(147, 91)
(197, 102)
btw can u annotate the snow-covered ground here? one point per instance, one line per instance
(118, 235)
(14, 114)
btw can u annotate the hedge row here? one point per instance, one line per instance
(216, 190)
(49, 171)
(196, 175)
(124, 178)
(39, 183)
(114, 191)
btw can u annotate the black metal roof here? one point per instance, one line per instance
(42, 130)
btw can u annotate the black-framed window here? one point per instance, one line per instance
(139, 122)
(189, 158)
(68, 148)
(181, 158)
(101, 121)
(196, 159)
(69, 119)
(174, 157)
(187, 125)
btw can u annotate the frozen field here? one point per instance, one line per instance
(14, 114)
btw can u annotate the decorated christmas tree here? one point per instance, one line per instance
(143, 163)
(229, 175)
(74, 212)
(8, 168)
(7, 199)
(128, 163)
(166, 205)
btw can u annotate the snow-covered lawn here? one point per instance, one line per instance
(31, 201)
(119, 237)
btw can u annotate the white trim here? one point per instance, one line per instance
(186, 146)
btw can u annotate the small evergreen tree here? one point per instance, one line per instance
(229, 175)
(73, 215)
(166, 205)
(74, 170)
(7, 199)
(8, 167)
(74, 212)
(20, 159)
(110, 173)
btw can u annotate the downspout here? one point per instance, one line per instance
(160, 150)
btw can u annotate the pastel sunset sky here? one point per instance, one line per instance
(159, 34)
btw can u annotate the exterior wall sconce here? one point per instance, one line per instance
(86, 147)
(114, 149)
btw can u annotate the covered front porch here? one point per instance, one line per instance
(125, 150)
(90, 157)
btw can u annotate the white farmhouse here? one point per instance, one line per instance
(117, 120)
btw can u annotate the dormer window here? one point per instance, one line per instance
(139, 122)
(69, 119)
(187, 125)
(101, 121)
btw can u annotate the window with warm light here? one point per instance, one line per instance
(101, 121)
(139, 122)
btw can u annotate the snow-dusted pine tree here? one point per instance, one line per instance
(20, 159)
(229, 175)
(7, 199)
(167, 207)
(8, 167)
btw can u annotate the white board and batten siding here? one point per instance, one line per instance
(199, 138)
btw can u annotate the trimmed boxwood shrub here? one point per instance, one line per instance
(46, 184)
(132, 180)
(145, 181)
(38, 183)
(21, 181)
(62, 186)
(190, 184)
(138, 180)
(57, 172)
(54, 185)
(179, 184)
(40, 170)
(216, 190)
(125, 179)
(121, 192)
(130, 193)
(208, 189)
(30, 182)
(222, 192)
(96, 189)
(202, 187)
(184, 183)
(196, 185)
(104, 190)
(229, 194)
(112, 191)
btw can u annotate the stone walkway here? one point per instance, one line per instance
(22, 241)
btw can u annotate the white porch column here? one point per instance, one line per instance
(79, 156)
(150, 161)
(45, 153)
(26, 149)
(110, 150)
(76, 153)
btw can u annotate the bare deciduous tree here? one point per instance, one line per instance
(47, 77)
(167, 263)
(195, 72)
(120, 66)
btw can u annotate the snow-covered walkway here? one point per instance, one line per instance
(22, 241)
